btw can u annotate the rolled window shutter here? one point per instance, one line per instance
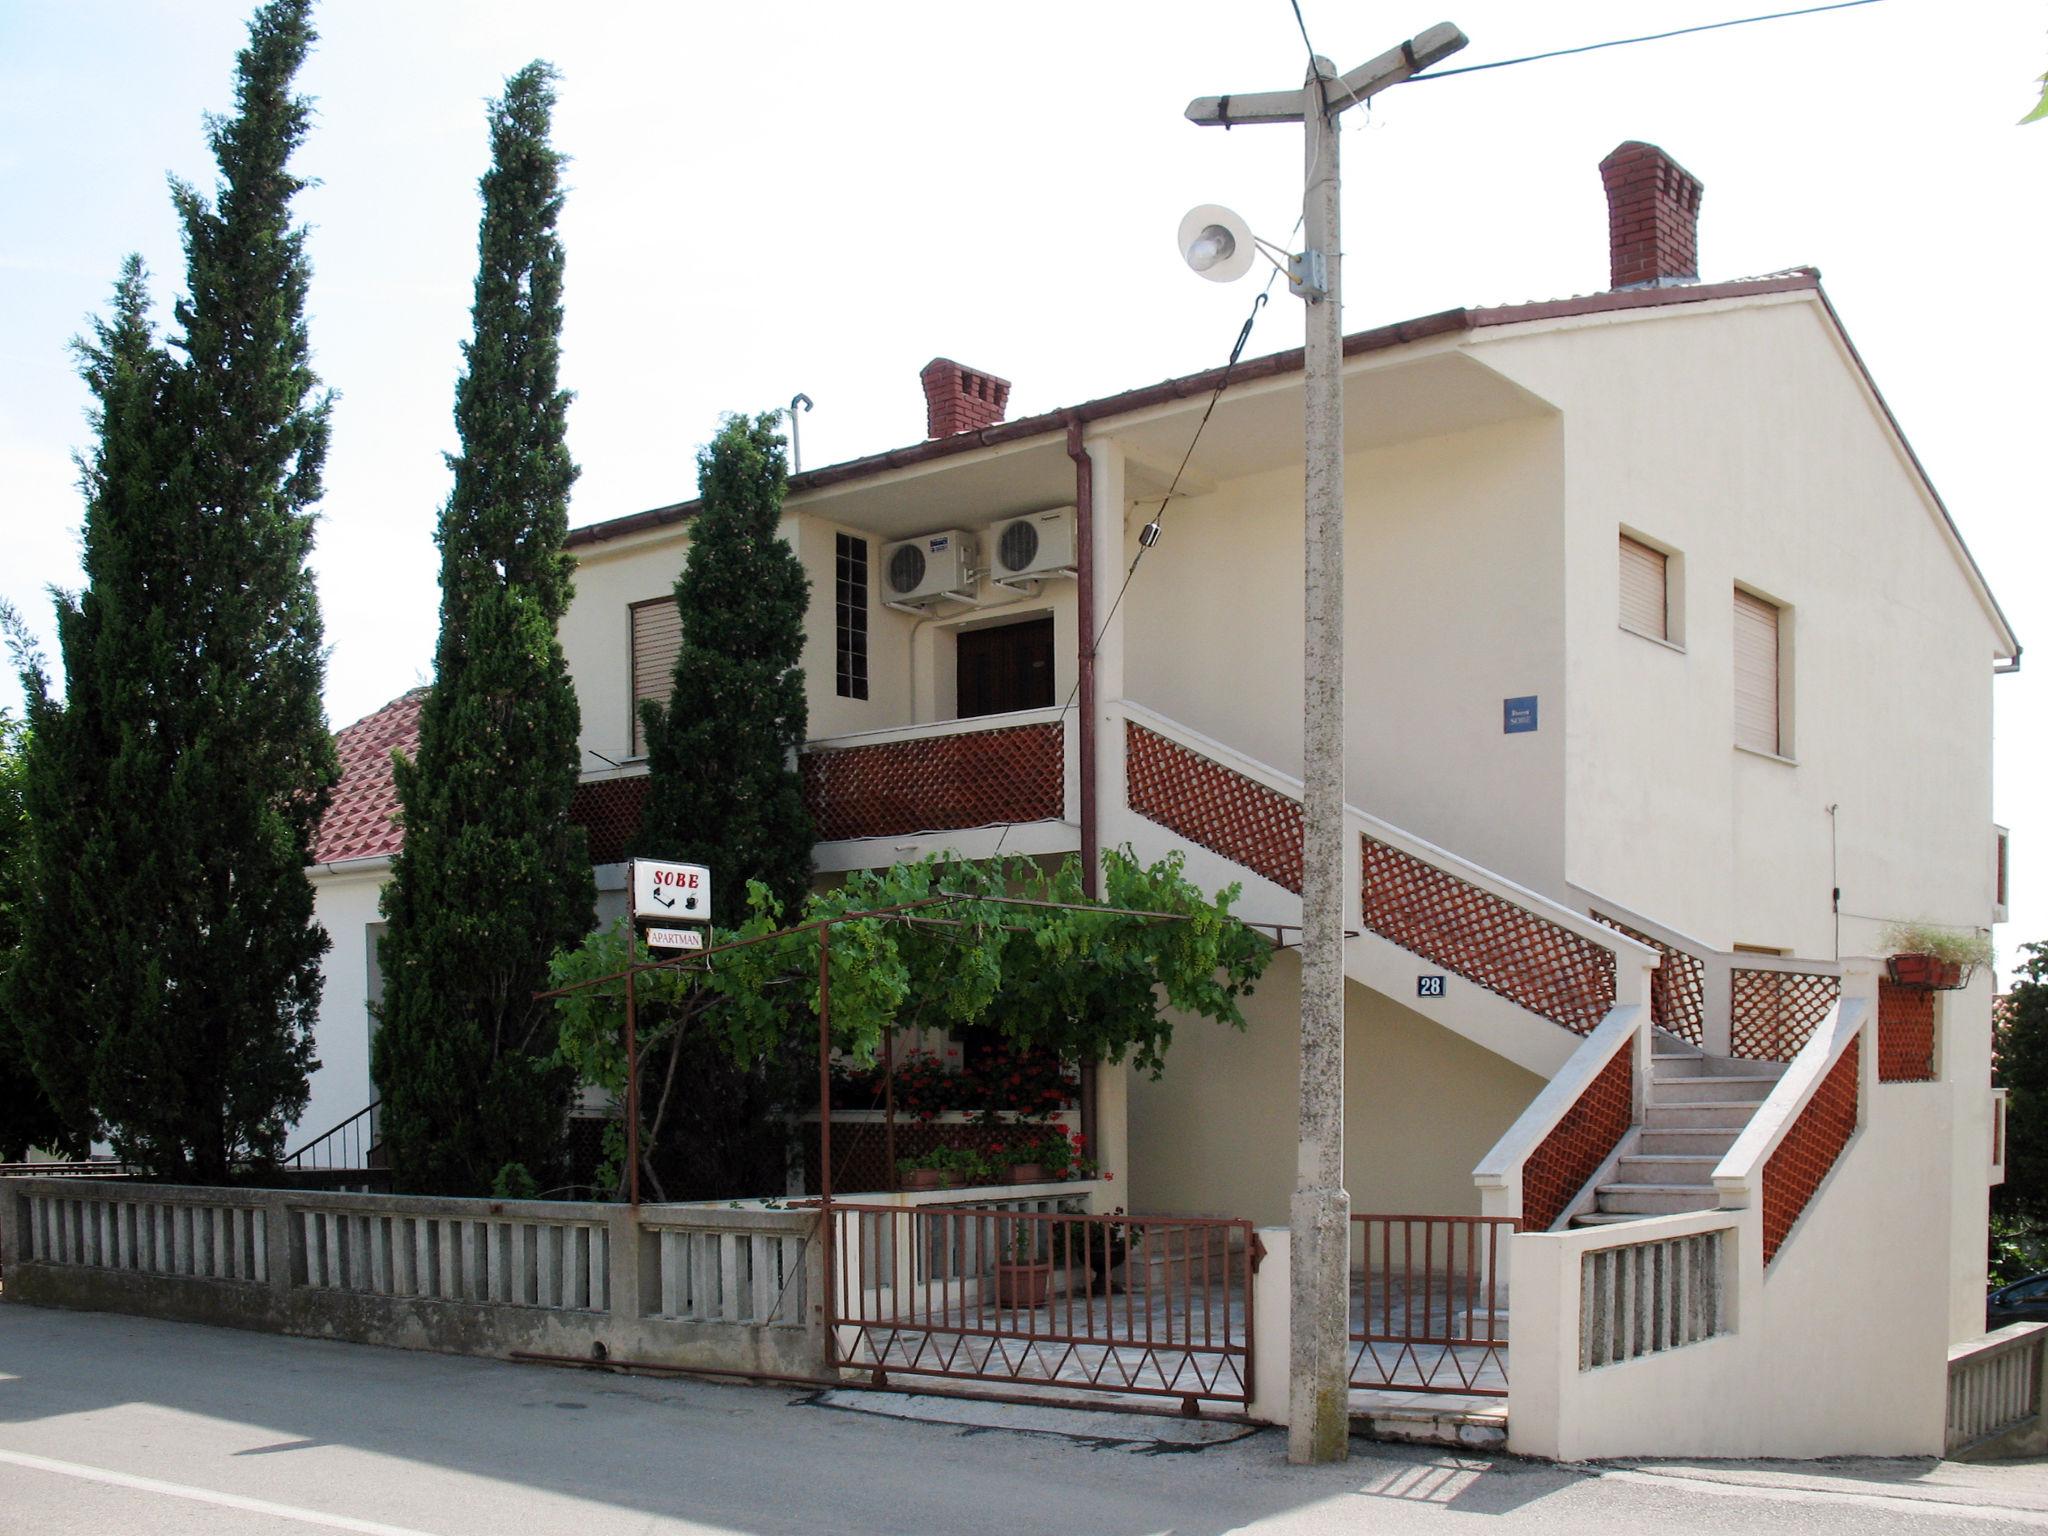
(657, 641)
(1644, 604)
(1756, 673)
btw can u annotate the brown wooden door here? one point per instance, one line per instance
(1005, 668)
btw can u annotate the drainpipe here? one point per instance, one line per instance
(1084, 748)
(1084, 622)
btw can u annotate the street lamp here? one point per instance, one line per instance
(1319, 1355)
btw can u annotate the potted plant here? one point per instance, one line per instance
(1938, 959)
(925, 1171)
(961, 1166)
(1055, 1155)
(1023, 1279)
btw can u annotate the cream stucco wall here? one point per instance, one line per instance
(1454, 603)
(345, 904)
(1746, 441)
(1215, 1134)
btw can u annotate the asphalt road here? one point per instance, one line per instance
(117, 1424)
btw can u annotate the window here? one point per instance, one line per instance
(2001, 872)
(1756, 675)
(1645, 590)
(657, 642)
(850, 616)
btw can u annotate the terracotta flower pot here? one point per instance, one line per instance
(1022, 1285)
(1027, 1173)
(922, 1178)
(953, 1178)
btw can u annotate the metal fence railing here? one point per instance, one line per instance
(1429, 1309)
(1157, 1306)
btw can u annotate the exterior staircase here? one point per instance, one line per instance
(1697, 1105)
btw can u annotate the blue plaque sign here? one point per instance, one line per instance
(1518, 714)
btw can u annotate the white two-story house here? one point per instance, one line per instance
(1669, 683)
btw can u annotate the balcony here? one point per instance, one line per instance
(970, 786)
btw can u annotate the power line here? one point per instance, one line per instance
(1623, 42)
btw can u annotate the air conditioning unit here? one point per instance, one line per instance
(930, 567)
(1037, 544)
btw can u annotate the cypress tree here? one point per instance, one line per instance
(724, 790)
(189, 764)
(27, 1117)
(63, 989)
(492, 877)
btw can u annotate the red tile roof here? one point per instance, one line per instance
(361, 820)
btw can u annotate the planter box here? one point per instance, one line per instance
(1027, 1173)
(1926, 971)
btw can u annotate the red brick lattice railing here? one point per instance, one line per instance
(937, 783)
(1214, 807)
(1802, 1160)
(1579, 1143)
(1774, 1013)
(1905, 1033)
(1678, 989)
(1508, 950)
(1489, 940)
(609, 810)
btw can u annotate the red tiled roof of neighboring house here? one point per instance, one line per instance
(361, 820)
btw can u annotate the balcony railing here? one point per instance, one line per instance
(943, 777)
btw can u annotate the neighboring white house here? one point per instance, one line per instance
(1669, 682)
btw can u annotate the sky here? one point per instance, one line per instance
(780, 197)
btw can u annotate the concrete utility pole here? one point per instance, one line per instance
(1319, 1363)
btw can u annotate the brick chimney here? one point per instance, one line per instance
(1653, 218)
(958, 399)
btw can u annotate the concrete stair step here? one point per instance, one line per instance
(1668, 1168)
(1701, 1065)
(1655, 1199)
(1663, 1068)
(1709, 1115)
(1749, 1088)
(1711, 1145)
(1605, 1218)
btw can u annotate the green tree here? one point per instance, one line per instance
(723, 789)
(188, 765)
(2020, 1055)
(27, 1117)
(493, 878)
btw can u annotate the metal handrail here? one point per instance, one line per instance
(351, 1133)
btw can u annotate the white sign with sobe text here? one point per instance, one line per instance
(671, 893)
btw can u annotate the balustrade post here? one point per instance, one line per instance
(1717, 998)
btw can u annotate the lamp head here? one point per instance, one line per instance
(1216, 243)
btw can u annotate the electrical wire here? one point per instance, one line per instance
(1623, 42)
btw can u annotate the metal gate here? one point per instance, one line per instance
(1428, 1304)
(1157, 1306)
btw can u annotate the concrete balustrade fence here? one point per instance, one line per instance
(690, 1287)
(1995, 1394)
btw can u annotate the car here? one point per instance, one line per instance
(2024, 1301)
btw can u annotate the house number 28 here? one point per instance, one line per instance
(1429, 986)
